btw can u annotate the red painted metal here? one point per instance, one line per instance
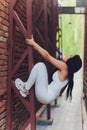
(42, 35)
(19, 23)
(14, 18)
(45, 32)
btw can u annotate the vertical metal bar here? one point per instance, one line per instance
(29, 18)
(54, 21)
(30, 62)
(10, 43)
(32, 101)
(45, 19)
(46, 39)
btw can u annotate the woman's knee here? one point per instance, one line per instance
(40, 64)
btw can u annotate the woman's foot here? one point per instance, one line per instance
(20, 85)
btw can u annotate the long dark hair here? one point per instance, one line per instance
(74, 64)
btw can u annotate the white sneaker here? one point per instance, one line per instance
(23, 94)
(20, 86)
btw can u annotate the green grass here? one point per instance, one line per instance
(72, 33)
(67, 2)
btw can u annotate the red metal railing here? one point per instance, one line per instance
(14, 18)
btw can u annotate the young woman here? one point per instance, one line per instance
(45, 92)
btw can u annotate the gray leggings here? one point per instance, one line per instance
(44, 92)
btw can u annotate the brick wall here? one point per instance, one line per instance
(3, 60)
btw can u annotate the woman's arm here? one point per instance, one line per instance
(44, 53)
(40, 50)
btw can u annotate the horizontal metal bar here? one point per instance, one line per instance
(72, 10)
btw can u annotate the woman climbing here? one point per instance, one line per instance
(64, 75)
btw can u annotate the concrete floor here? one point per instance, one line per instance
(68, 116)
